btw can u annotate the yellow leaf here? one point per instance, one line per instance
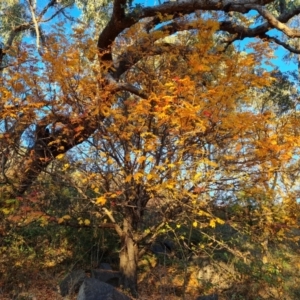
(18, 263)
(66, 166)
(87, 222)
(6, 211)
(128, 178)
(195, 224)
(149, 176)
(220, 221)
(101, 200)
(211, 163)
(60, 156)
(137, 176)
(141, 159)
(197, 176)
(203, 213)
(60, 220)
(212, 223)
(66, 217)
(171, 166)
(170, 185)
(49, 263)
(265, 259)
(169, 84)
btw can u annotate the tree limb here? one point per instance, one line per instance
(36, 25)
(275, 23)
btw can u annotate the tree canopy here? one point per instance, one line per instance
(29, 16)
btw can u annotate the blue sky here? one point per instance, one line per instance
(284, 65)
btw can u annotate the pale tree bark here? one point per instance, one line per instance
(129, 256)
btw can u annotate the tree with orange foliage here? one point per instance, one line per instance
(171, 118)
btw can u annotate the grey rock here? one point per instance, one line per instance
(105, 266)
(108, 276)
(208, 297)
(71, 283)
(206, 273)
(214, 275)
(158, 248)
(93, 289)
(162, 247)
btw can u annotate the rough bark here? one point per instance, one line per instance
(129, 257)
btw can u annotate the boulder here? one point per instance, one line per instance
(158, 248)
(105, 266)
(108, 276)
(162, 247)
(93, 289)
(214, 275)
(71, 283)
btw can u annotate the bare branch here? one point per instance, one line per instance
(132, 89)
(154, 232)
(36, 25)
(283, 44)
(117, 25)
(45, 9)
(118, 229)
(286, 16)
(15, 31)
(275, 23)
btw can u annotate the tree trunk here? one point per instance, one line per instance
(129, 258)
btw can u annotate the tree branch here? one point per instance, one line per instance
(116, 25)
(118, 229)
(36, 25)
(48, 145)
(154, 232)
(283, 44)
(275, 23)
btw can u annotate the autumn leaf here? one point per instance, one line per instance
(101, 200)
(212, 223)
(87, 222)
(60, 220)
(265, 259)
(220, 221)
(137, 176)
(141, 159)
(128, 178)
